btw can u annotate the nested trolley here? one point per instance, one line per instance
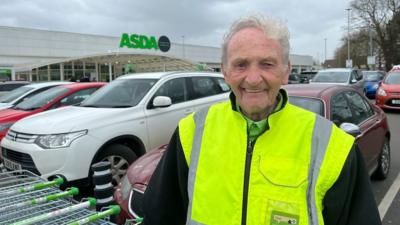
(25, 198)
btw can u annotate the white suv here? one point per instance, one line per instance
(118, 123)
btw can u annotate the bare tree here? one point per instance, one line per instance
(379, 14)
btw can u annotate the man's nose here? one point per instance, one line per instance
(253, 76)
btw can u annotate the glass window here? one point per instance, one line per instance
(40, 100)
(332, 77)
(77, 97)
(204, 86)
(175, 89)
(340, 110)
(311, 104)
(14, 94)
(393, 78)
(224, 86)
(120, 93)
(361, 109)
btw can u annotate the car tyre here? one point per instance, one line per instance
(383, 162)
(120, 157)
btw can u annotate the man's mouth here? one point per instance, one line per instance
(253, 90)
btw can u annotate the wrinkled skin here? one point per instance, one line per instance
(255, 69)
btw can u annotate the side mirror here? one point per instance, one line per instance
(351, 129)
(162, 101)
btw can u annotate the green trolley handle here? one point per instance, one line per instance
(59, 212)
(33, 187)
(113, 210)
(35, 201)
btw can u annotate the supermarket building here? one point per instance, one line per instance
(43, 55)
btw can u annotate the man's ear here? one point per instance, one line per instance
(223, 69)
(285, 79)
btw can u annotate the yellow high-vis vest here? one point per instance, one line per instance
(291, 166)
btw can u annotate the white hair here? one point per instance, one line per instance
(271, 27)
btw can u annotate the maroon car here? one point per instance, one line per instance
(341, 104)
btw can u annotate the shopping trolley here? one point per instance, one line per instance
(25, 198)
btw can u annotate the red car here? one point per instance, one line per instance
(52, 98)
(388, 93)
(341, 104)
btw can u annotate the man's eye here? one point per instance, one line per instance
(241, 65)
(266, 64)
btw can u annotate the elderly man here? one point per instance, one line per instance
(257, 159)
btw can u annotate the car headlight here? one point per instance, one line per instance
(381, 92)
(58, 140)
(4, 126)
(376, 86)
(125, 187)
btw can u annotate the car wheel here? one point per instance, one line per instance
(120, 157)
(383, 162)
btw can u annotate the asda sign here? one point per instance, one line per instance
(145, 42)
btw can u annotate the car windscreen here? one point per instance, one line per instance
(371, 76)
(311, 104)
(393, 78)
(294, 77)
(120, 93)
(331, 77)
(14, 94)
(41, 99)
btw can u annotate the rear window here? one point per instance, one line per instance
(332, 77)
(311, 104)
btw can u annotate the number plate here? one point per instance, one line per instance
(11, 165)
(396, 102)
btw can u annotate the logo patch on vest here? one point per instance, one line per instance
(281, 218)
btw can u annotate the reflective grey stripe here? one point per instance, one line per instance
(320, 140)
(199, 120)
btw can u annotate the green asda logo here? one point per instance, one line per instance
(145, 42)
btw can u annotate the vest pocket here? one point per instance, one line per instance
(285, 172)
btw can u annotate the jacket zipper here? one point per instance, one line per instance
(249, 154)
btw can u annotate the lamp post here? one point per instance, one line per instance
(348, 37)
(325, 53)
(183, 46)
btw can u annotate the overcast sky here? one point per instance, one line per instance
(200, 22)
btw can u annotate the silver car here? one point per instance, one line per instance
(341, 76)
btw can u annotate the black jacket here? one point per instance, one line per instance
(350, 201)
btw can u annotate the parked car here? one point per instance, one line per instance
(8, 86)
(372, 80)
(307, 75)
(294, 79)
(341, 104)
(123, 120)
(341, 76)
(20, 94)
(55, 97)
(388, 93)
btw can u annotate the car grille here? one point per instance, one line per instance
(24, 159)
(21, 137)
(395, 93)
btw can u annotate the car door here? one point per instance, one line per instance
(357, 81)
(372, 135)
(162, 121)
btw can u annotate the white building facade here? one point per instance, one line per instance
(42, 55)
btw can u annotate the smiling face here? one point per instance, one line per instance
(255, 70)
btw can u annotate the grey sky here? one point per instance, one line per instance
(201, 22)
